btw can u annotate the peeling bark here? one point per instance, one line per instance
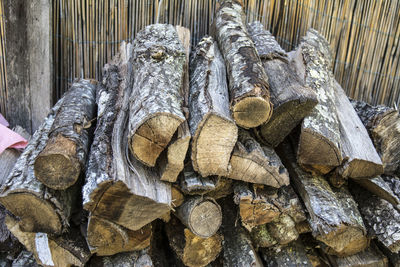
(192, 183)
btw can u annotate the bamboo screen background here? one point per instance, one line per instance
(364, 36)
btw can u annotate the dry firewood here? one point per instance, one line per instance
(360, 157)
(292, 100)
(303, 227)
(334, 218)
(134, 259)
(237, 247)
(39, 208)
(106, 238)
(255, 206)
(119, 188)
(50, 250)
(155, 108)
(193, 183)
(394, 258)
(291, 255)
(254, 163)
(381, 188)
(223, 188)
(289, 203)
(383, 125)
(26, 259)
(248, 83)
(191, 249)
(177, 197)
(202, 215)
(60, 163)
(319, 145)
(381, 218)
(261, 237)
(211, 125)
(283, 229)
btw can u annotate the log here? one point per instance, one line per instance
(289, 203)
(292, 100)
(26, 259)
(60, 163)
(202, 216)
(39, 208)
(381, 188)
(248, 84)
(261, 238)
(255, 207)
(192, 250)
(254, 163)
(381, 218)
(118, 187)
(50, 250)
(106, 238)
(360, 157)
(319, 145)
(394, 258)
(135, 258)
(192, 183)
(283, 229)
(334, 217)
(223, 188)
(211, 125)
(383, 125)
(155, 108)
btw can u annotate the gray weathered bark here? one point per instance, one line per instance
(135, 259)
(60, 163)
(26, 259)
(192, 183)
(212, 127)
(292, 100)
(248, 83)
(155, 108)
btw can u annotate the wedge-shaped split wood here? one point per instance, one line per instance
(60, 163)
(248, 83)
(292, 100)
(155, 108)
(381, 188)
(118, 187)
(212, 127)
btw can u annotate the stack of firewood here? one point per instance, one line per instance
(244, 155)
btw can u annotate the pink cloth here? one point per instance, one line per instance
(9, 138)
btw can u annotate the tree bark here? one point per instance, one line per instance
(223, 188)
(211, 125)
(292, 100)
(254, 163)
(192, 183)
(283, 229)
(192, 250)
(394, 258)
(135, 258)
(261, 238)
(155, 108)
(202, 216)
(248, 83)
(319, 145)
(119, 188)
(60, 163)
(381, 188)
(26, 259)
(383, 125)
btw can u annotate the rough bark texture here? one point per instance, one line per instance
(202, 216)
(383, 125)
(40, 209)
(26, 259)
(223, 188)
(135, 259)
(394, 258)
(211, 125)
(261, 237)
(155, 108)
(334, 217)
(283, 229)
(360, 157)
(292, 100)
(254, 163)
(60, 163)
(192, 183)
(118, 188)
(381, 218)
(192, 250)
(248, 83)
(381, 188)
(319, 145)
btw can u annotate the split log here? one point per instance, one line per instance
(334, 217)
(223, 188)
(394, 183)
(119, 188)
(202, 216)
(155, 108)
(292, 100)
(211, 125)
(193, 183)
(289, 203)
(248, 83)
(381, 188)
(261, 237)
(135, 258)
(283, 229)
(394, 258)
(106, 238)
(319, 145)
(303, 227)
(381, 218)
(291, 255)
(255, 207)
(177, 197)
(383, 125)
(26, 259)
(192, 250)
(40, 209)
(237, 247)
(360, 157)
(49, 250)
(254, 163)
(60, 163)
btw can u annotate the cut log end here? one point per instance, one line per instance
(35, 214)
(363, 169)
(152, 137)
(212, 146)
(205, 219)
(251, 112)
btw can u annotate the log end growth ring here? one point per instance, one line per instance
(205, 219)
(251, 112)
